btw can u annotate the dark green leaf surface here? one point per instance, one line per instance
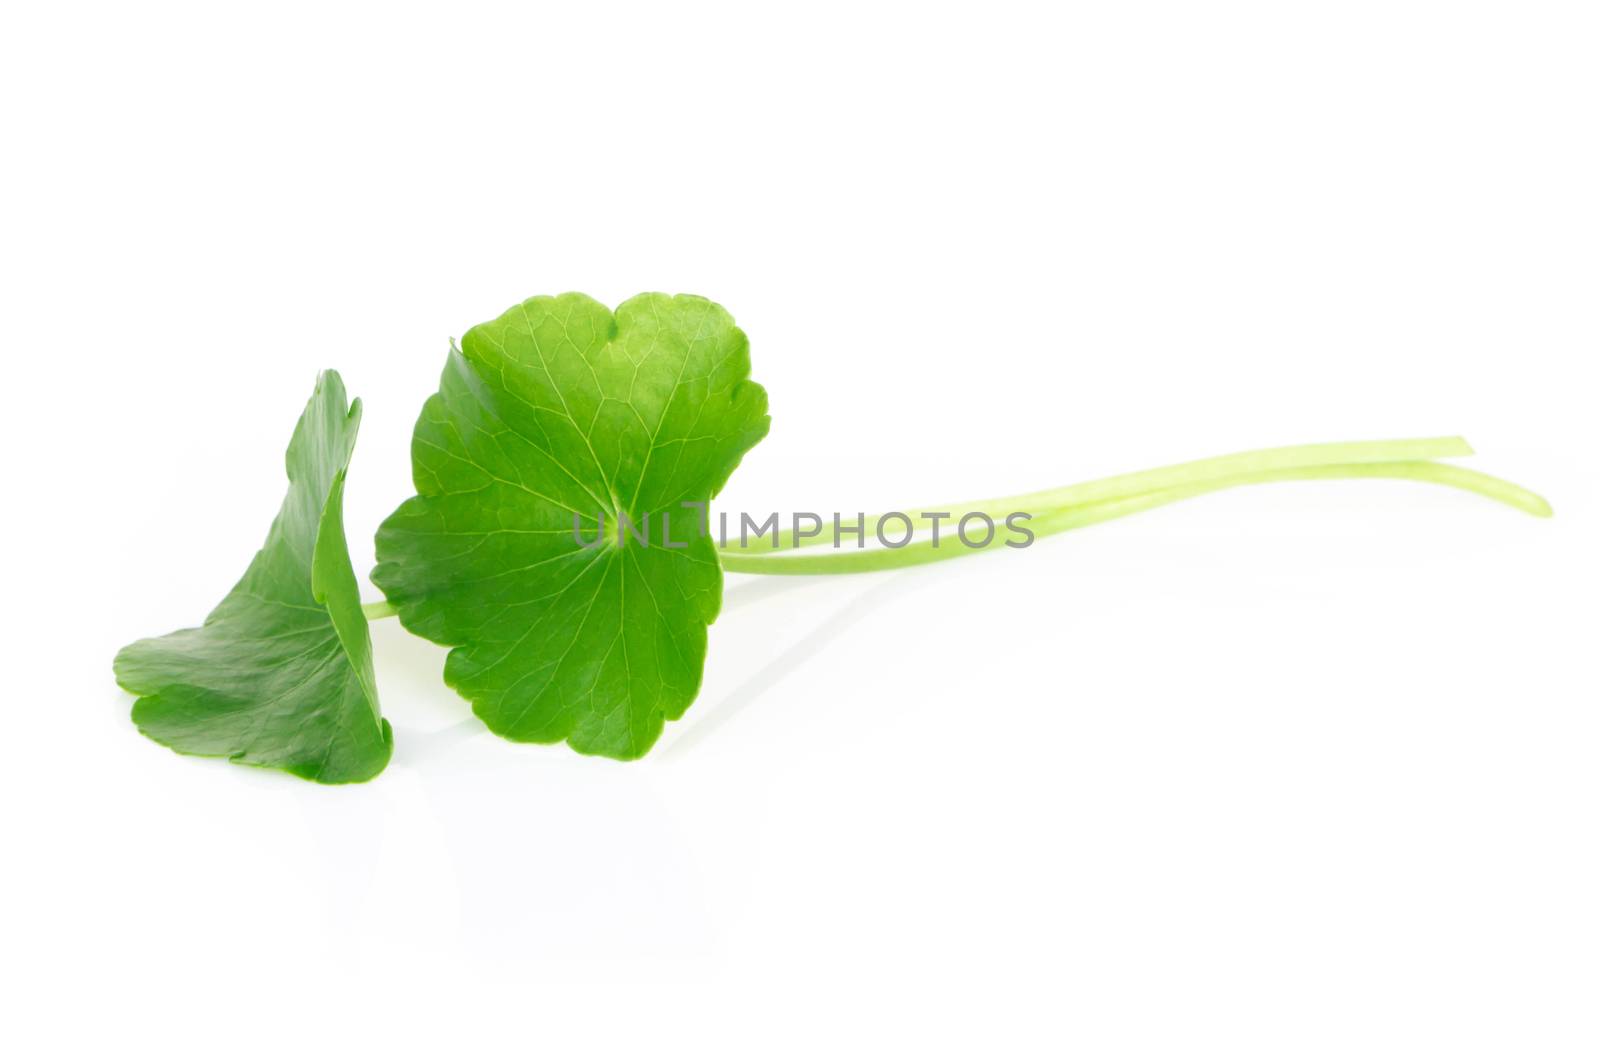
(560, 408)
(280, 675)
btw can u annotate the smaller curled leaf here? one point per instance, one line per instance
(280, 675)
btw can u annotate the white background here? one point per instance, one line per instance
(1299, 766)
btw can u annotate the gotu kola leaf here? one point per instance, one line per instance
(280, 675)
(561, 412)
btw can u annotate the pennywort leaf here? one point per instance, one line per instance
(560, 411)
(280, 675)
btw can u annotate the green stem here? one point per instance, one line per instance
(1140, 482)
(378, 610)
(1058, 510)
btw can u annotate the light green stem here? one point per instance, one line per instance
(1139, 482)
(1058, 510)
(378, 610)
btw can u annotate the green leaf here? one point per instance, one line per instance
(560, 410)
(280, 675)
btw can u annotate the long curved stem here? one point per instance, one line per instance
(1138, 483)
(1058, 510)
